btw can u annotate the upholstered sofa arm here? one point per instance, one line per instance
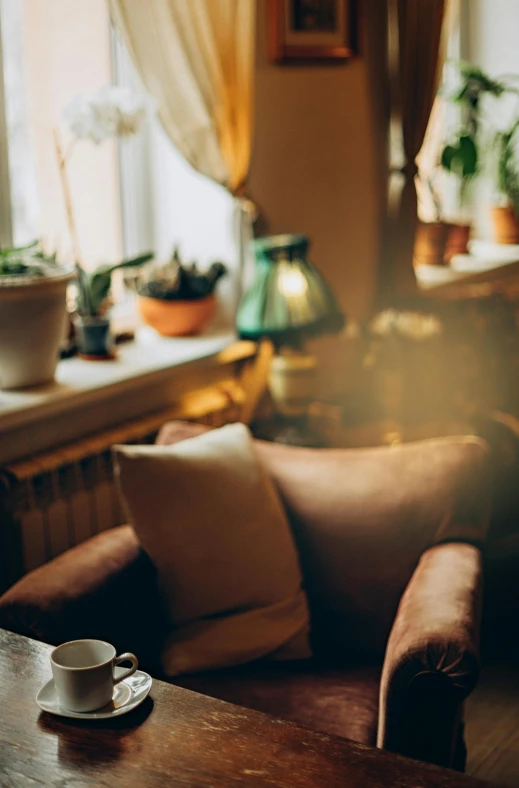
(104, 588)
(432, 657)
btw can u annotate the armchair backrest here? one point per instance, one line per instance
(362, 518)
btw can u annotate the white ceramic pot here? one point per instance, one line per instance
(32, 325)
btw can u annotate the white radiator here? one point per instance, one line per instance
(64, 506)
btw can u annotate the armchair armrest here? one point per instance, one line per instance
(432, 657)
(104, 588)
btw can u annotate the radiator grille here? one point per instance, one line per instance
(64, 506)
(59, 499)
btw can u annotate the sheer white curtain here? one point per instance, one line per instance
(196, 60)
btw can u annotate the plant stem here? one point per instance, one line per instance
(435, 199)
(67, 197)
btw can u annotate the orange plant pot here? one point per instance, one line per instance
(177, 318)
(506, 225)
(430, 243)
(457, 241)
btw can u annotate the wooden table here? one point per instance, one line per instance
(179, 738)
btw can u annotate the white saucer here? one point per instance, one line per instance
(127, 696)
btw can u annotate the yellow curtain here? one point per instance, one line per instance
(418, 36)
(196, 59)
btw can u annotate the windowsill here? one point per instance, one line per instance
(86, 396)
(484, 257)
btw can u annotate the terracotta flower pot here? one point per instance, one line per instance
(506, 224)
(177, 318)
(457, 241)
(430, 243)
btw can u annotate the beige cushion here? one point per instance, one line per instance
(211, 521)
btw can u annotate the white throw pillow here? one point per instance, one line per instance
(210, 519)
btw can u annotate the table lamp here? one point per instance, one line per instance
(288, 302)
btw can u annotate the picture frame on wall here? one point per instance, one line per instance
(312, 30)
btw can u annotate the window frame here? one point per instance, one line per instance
(136, 196)
(6, 227)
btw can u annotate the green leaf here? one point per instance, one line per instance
(83, 283)
(16, 250)
(132, 262)
(468, 156)
(99, 287)
(460, 96)
(461, 158)
(480, 81)
(29, 260)
(447, 157)
(507, 164)
(95, 287)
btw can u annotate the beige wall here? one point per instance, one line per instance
(67, 48)
(314, 165)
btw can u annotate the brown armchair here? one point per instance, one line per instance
(389, 546)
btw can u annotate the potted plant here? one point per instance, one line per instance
(33, 313)
(460, 158)
(461, 155)
(110, 113)
(92, 325)
(505, 215)
(177, 299)
(431, 237)
(475, 84)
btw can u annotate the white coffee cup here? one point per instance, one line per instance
(83, 673)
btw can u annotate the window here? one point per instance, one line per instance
(489, 39)
(18, 198)
(128, 198)
(53, 51)
(164, 201)
(484, 34)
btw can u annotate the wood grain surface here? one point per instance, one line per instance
(492, 723)
(178, 738)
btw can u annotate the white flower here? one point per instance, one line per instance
(111, 112)
(82, 121)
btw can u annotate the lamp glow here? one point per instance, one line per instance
(291, 282)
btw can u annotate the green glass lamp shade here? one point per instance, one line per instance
(289, 298)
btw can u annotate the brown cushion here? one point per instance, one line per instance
(207, 514)
(342, 702)
(362, 518)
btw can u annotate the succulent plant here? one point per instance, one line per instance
(28, 260)
(175, 281)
